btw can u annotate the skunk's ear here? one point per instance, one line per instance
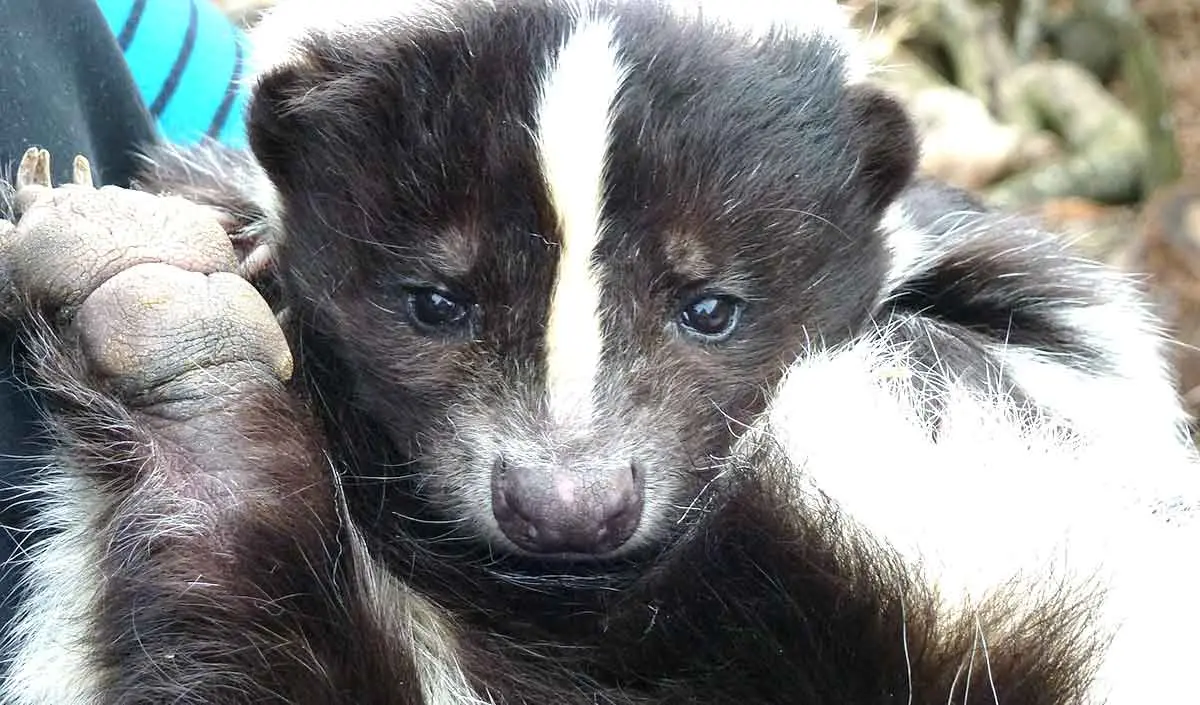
(278, 120)
(886, 141)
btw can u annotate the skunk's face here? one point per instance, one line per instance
(568, 260)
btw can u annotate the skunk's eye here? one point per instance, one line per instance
(437, 312)
(711, 317)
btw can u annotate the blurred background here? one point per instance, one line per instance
(1082, 113)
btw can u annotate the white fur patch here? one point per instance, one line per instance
(51, 632)
(418, 625)
(995, 499)
(912, 249)
(907, 244)
(1116, 323)
(572, 129)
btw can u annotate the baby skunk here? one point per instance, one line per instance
(648, 373)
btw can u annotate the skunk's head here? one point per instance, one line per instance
(567, 251)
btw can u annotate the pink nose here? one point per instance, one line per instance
(555, 510)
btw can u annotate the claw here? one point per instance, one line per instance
(256, 263)
(82, 175)
(34, 169)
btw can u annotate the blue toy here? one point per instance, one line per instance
(186, 58)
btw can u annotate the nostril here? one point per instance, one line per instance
(507, 501)
(626, 491)
(623, 511)
(506, 504)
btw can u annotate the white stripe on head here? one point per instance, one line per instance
(573, 124)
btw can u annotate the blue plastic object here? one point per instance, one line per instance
(186, 58)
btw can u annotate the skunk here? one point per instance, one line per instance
(633, 365)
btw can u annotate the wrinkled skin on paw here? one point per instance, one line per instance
(205, 490)
(147, 284)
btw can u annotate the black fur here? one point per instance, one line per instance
(224, 577)
(767, 596)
